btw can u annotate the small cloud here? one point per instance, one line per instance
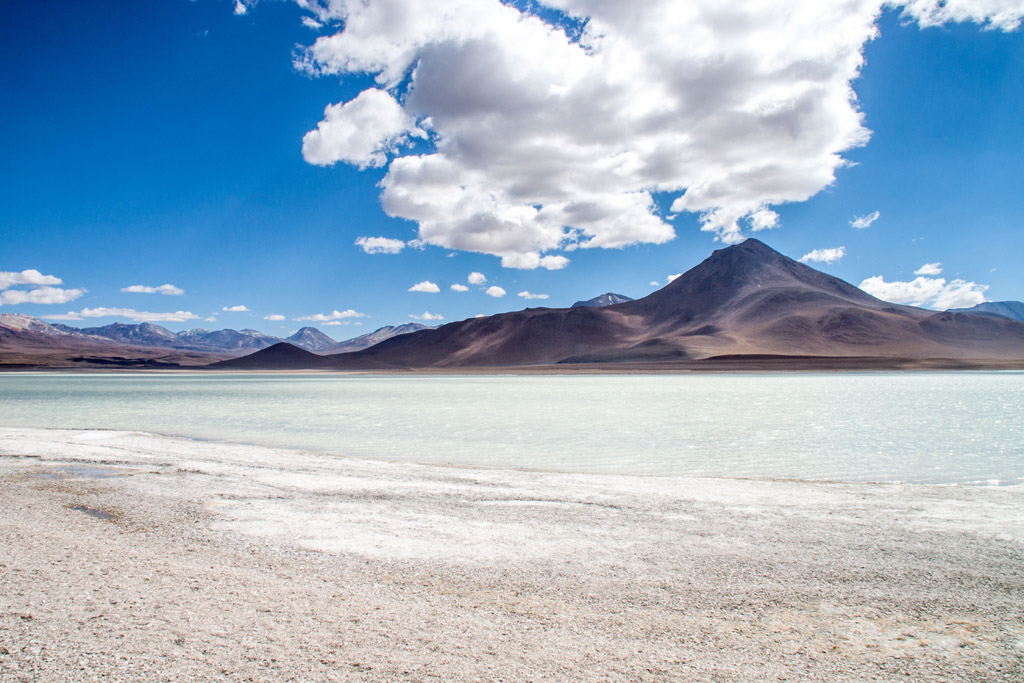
(131, 314)
(495, 291)
(273, 316)
(240, 8)
(929, 269)
(476, 278)
(235, 309)
(861, 222)
(211, 319)
(27, 277)
(426, 286)
(530, 261)
(310, 22)
(333, 315)
(427, 315)
(824, 255)
(528, 295)
(334, 323)
(927, 292)
(655, 283)
(380, 245)
(479, 315)
(459, 288)
(166, 290)
(42, 295)
(672, 277)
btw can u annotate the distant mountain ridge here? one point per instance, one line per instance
(28, 332)
(743, 301)
(1014, 310)
(607, 299)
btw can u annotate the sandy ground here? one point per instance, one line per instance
(132, 557)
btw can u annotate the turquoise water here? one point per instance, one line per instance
(914, 427)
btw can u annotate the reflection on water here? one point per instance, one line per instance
(916, 427)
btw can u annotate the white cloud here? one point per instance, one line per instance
(655, 283)
(235, 309)
(459, 288)
(168, 290)
(274, 316)
(240, 8)
(927, 292)
(380, 245)
(529, 296)
(27, 277)
(861, 222)
(672, 277)
(334, 323)
(42, 295)
(495, 291)
(310, 22)
(131, 314)
(929, 269)
(361, 132)
(333, 315)
(824, 255)
(536, 141)
(476, 278)
(427, 316)
(210, 319)
(426, 286)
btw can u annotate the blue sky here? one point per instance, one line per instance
(157, 143)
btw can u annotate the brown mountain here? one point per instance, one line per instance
(746, 301)
(280, 356)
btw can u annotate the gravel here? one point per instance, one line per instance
(135, 557)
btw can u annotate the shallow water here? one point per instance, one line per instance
(914, 427)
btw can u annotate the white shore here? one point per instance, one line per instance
(134, 557)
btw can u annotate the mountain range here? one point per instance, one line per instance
(745, 304)
(26, 340)
(746, 301)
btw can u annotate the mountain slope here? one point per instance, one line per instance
(1014, 310)
(607, 299)
(367, 340)
(311, 339)
(747, 299)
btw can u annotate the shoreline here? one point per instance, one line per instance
(147, 558)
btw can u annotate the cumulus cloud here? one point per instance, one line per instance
(476, 278)
(167, 290)
(129, 313)
(380, 245)
(824, 255)
(529, 296)
(27, 277)
(426, 286)
(310, 22)
(459, 288)
(361, 132)
(273, 316)
(861, 222)
(535, 139)
(927, 292)
(929, 269)
(42, 295)
(427, 315)
(672, 277)
(495, 291)
(235, 309)
(333, 315)
(240, 8)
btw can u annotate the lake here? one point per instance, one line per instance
(941, 427)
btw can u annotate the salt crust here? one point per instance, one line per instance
(129, 556)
